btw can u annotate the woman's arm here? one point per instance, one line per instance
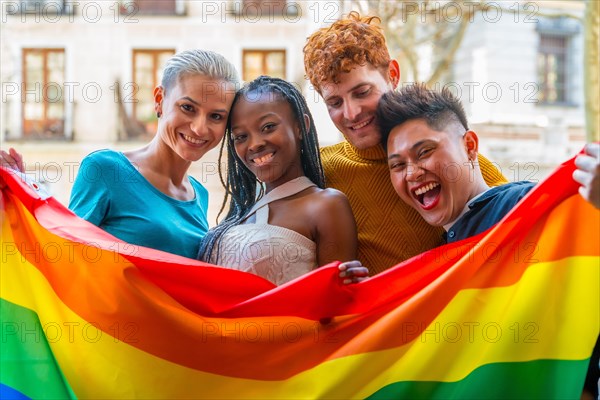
(336, 235)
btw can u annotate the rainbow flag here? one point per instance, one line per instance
(512, 313)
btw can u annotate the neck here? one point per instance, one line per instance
(160, 159)
(375, 153)
(477, 188)
(274, 185)
(479, 184)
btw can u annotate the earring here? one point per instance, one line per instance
(472, 164)
(158, 114)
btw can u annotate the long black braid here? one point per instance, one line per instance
(240, 183)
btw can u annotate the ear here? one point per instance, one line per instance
(394, 73)
(306, 123)
(298, 130)
(471, 142)
(159, 94)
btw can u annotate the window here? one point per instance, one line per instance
(43, 100)
(147, 67)
(555, 68)
(552, 68)
(40, 7)
(263, 62)
(152, 7)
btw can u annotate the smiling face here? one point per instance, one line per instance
(352, 102)
(431, 170)
(194, 114)
(267, 138)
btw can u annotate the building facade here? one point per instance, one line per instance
(78, 75)
(521, 75)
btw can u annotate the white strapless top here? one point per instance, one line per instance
(272, 252)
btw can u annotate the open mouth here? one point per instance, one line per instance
(193, 140)
(428, 194)
(259, 161)
(362, 124)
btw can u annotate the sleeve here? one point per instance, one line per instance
(90, 196)
(201, 200)
(201, 192)
(491, 172)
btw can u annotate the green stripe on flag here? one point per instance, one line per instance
(518, 380)
(26, 360)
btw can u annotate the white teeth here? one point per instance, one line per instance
(193, 140)
(426, 188)
(263, 159)
(361, 125)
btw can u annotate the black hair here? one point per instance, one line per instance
(240, 183)
(438, 108)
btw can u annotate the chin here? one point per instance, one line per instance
(433, 220)
(264, 178)
(195, 157)
(364, 143)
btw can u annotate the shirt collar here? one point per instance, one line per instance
(375, 153)
(481, 197)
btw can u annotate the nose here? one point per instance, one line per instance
(255, 143)
(414, 172)
(351, 110)
(199, 125)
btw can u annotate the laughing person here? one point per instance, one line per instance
(432, 158)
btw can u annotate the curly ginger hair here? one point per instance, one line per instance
(347, 43)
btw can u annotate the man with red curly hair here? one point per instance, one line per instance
(350, 66)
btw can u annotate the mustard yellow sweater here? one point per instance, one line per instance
(389, 231)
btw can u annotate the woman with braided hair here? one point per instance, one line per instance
(282, 221)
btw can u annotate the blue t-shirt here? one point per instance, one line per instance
(488, 209)
(110, 193)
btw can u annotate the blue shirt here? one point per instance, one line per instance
(110, 193)
(487, 210)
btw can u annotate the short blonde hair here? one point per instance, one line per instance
(203, 62)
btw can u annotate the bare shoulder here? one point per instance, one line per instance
(331, 214)
(329, 194)
(329, 199)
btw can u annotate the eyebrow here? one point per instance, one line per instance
(222, 110)
(190, 100)
(269, 114)
(351, 89)
(360, 84)
(414, 146)
(262, 118)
